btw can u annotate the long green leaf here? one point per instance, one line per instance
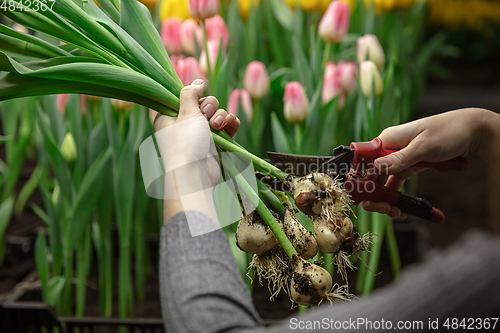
(137, 21)
(5, 214)
(96, 73)
(87, 197)
(55, 157)
(139, 56)
(280, 139)
(15, 86)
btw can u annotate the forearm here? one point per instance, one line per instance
(189, 188)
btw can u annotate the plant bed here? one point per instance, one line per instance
(23, 311)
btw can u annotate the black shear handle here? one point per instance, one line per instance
(409, 204)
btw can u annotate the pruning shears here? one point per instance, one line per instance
(349, 165)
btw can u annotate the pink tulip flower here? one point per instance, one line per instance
(332, 87)
(369, 48)
(348, 72)
(334, 24)
(213, 54)
(202, 9)
(240, 96)
(295, 102)
(189, 70)
(331, 69)
(216, 29)
(189, 32)
(256, 80)
(171, 35)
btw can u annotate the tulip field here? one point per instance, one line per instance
(81, 83)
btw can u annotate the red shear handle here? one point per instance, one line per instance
(361, 190)
(367, 152)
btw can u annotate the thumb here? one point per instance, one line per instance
(402, 159)
(189, 100)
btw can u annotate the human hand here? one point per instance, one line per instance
(433, 139)
(187, 149)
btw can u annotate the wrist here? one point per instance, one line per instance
(486, 138)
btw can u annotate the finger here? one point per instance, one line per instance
(394, 212)
(232, 125)
(405, 158)
(208, 106)
(218, 120)
(190, 96)
(394, 182)
(379, 207)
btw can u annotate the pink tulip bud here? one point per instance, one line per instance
(189, 32)
(61, 103)
(213, 54)
(369, 76)
(295, 102)
(202, 9)
(256, 80)
(334, 24)
(369, 48)
(121, 105)
(216, 29)
(171, 35)
(174, 59)
(348, 72)
(331, 69)
(332, 86)
(189, 70)
(240, 96)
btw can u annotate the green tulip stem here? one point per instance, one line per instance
(326, 54)
(266, 214)
(205, 45)
(258, 163)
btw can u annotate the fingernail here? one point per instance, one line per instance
(218, 121)
(197, 82)
(384, 163)
(207, 109)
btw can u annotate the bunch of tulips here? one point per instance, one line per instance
(299, 83)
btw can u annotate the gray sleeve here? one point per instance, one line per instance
(200, 284)
(202, 290)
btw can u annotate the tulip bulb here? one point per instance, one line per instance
(318, 193)
(253, 235)
(302, 240)
(310, 283)
(330, 233)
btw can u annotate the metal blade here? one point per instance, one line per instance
(272, 182)
(298, 165)
(301, 165)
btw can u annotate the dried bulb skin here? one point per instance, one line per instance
(253, 235)
(318, 193)
(302, 240)
(330, 232)
(310, 283)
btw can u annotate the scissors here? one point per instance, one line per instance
(349, 165)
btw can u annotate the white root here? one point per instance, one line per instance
(274, 267)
